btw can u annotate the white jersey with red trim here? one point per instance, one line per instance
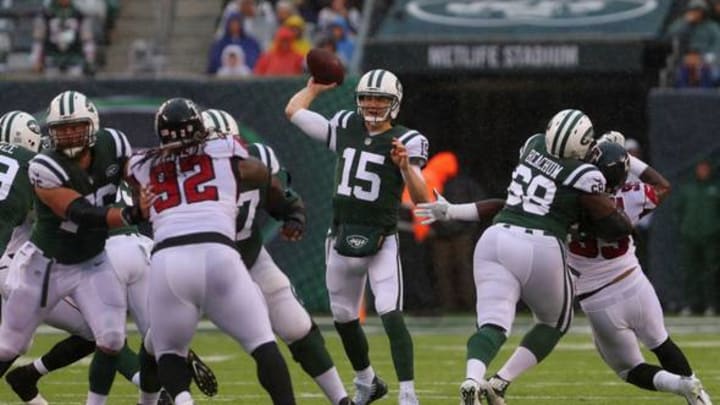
(196, 192)
(597, 261)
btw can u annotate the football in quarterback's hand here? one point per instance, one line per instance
(325, 67)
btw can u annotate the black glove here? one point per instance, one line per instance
(202, 375)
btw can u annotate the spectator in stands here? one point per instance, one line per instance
(283, 10)
(698, 209)
(340, 8)
(234, 35)
(258, 20)
(696, 30)
(694, 72)
(326, 42)
(344, 43)
(63, 41)
(233, 63)
(281, 59)
(301, 44)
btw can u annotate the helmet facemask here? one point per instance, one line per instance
(71, 137)
(377, 108)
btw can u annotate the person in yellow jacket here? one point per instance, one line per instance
(301, 44)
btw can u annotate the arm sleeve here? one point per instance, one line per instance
(586, 178)
(417, 147)
(44, 172)
(637, 166)
(311, 123)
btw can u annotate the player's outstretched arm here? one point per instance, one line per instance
(411, 173)
(647, 174)
(609, 223)
(442, 210)
(303, 98)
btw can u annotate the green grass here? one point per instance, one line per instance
(573, 374)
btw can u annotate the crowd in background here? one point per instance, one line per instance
(272, 38)
(696, 31)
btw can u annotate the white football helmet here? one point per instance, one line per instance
(379, 82)
(569, 134)
(613, 137)
(72, 107)
(219, 122)
(21, 129)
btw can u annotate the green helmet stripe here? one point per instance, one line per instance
(568, 131)
(2, 125)
(554, 145)
(62, 103)
(378, 81)
(71, 103)
(370, 77)
(215, 120)
(11, 118)
(225, 121)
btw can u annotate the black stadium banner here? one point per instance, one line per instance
(516, 35)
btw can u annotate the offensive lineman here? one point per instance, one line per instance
(522, 256)
(288, 317)
(194, 262)
(375, 159)
(65, 255)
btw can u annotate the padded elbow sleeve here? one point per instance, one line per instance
(86, 215)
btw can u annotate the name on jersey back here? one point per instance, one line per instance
(544, 164)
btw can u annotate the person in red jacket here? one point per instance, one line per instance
(281, 59)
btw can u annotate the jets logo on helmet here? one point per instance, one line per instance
(178, 122)
(21, 129)
(379, 83)
(569, 134)
(67, 110)
(219, 122)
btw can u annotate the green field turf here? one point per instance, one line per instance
(573, 374)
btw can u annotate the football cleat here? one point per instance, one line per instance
(470, 392)
(346, 401)
(693, 391)
(368, 393)
(495, 391)
(23, 381)
(202, 375)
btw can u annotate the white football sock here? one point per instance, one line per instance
(667, 382)
(40, 367)
(365, 376)
(475, 369)
(331, 385)
(183, 398)
(520, 361)
(96, 399)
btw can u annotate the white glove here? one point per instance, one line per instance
(433, 211)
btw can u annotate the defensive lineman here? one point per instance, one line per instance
(289, 319)
(375, 159)
(522, 256)
(194, 261)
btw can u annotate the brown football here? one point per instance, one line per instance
(325, 67)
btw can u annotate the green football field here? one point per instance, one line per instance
(573, 374)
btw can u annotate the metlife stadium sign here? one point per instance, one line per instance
(517, 35)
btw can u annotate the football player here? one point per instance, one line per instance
(618, 299)
(194, 262)
(288, 317)
(376, 158)
(522, 255)
(74, 179)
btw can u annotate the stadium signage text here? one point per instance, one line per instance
(543, 13)
(510, 56)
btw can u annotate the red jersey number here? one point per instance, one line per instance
(592, 247)
(164, 180)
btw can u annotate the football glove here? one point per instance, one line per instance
(433, 211)
(202, 375)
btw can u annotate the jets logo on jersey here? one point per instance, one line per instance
(356, 241)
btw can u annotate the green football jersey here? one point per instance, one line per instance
(16, 195)
(368, 185)
(544, 191)
(62, 239)
(249, 239)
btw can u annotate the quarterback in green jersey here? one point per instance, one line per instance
(522, 256)
(376, 159)
(288, 318)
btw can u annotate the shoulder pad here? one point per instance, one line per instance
(122, 146)
(45, 172)
(586, 178)
(266, 155)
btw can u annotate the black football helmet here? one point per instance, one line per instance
(614, 163)
(178, 122)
